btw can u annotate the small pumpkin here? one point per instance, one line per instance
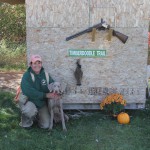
(123, 118)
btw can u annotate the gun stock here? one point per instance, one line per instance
(120, 36)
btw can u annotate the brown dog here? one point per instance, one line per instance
(55, 105)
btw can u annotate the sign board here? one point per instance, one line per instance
(86, 53)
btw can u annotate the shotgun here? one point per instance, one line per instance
(100, 26)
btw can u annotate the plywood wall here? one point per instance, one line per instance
(122, 70)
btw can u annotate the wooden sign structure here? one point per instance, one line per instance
(122, 69)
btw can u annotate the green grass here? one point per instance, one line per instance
(94, 132)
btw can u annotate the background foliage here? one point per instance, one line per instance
(12, 37)
(12, 22)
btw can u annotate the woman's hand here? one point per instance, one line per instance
(52, 96)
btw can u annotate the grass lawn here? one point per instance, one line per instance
(96, 131)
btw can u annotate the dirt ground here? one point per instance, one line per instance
(9, 81)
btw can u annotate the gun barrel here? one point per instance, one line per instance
(84, 31)
(77, 34)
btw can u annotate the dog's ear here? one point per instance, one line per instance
(50, 87)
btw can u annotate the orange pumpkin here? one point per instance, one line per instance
(123, 118)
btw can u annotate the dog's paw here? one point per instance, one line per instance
(50, 129)
(65, 130)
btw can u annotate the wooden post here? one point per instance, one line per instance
(93, 34)
(109, 36)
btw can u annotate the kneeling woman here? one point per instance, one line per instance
(35, 91)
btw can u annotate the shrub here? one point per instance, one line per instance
(12, 22)
(13, 56)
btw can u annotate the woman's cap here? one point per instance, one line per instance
(35, 58)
